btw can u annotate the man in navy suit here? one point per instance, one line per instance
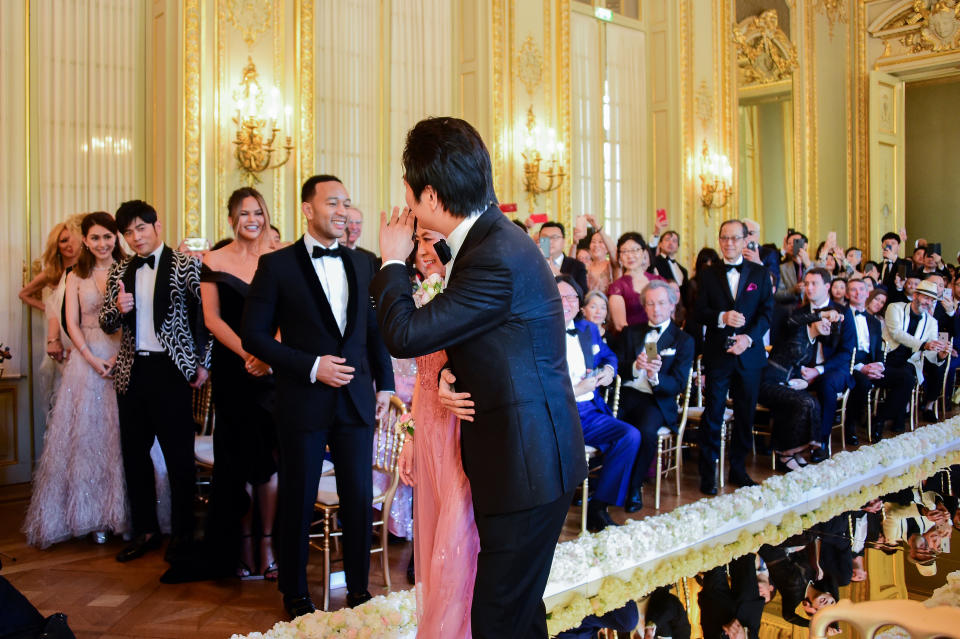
(648, 396)
(735, 304)
(592, 364)
(831, 328)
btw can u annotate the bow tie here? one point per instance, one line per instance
(863, 313)
(572, 332)
(671, 260)
(149, 260)
(319, 251)
(734, 267)
(443, 251)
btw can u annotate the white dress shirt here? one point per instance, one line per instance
(733, 281)
(820, 358)
(146, 281)
(641, 381)
(456, 238)
(675, 269)
(576, 364)
(333, 279)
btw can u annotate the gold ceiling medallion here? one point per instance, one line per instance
(764, 52)
(250, 17)
(835, 10)
(918, 27)
(530, 65)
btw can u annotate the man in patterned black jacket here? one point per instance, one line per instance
(153, 297)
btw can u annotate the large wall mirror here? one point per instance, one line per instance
(766, 133)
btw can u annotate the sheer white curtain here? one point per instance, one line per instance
(625, 120)
(421, 74)
(586, 80)
(88, 72)
(347, 59)
(13, 188)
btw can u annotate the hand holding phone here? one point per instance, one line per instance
(650, 348)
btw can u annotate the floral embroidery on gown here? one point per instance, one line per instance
(79, 486)
(445, 533)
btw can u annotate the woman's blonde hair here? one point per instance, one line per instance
(265, 241)
(51, 262)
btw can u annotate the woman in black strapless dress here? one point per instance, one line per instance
(244, 436)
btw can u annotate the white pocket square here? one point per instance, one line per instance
(596, 349)
(668, 351)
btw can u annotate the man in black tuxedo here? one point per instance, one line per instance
(648, 396)
(500, 320)
(735, 304)
(331, 355)
(665, 263)
(560, 263)
(732, 610)
(891, 262)
(153, 298)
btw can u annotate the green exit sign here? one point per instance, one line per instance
(603, 13)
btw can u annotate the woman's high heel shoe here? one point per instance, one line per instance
(271, 571)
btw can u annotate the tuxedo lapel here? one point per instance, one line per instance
(161, 288)
(352, 291)
(316, 289)
(724, 283)
(586, 344)
(477, 232)
(745, 272)
(667, 338)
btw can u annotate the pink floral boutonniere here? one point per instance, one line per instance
(429, 289)
(751, 287)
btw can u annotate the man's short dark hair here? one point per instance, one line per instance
(523, 227)
(920, 249)
(869, 264)
(131, 210)
(802, 237)
(566, 279)
(553, 225)
(310, 186)
(890, 236)
(743, 227)
(822, 272)
(673, 233)
(448, 155)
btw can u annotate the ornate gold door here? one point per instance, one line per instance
(887, 194)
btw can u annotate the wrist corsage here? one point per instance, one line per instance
(404, 425)
(429, 289)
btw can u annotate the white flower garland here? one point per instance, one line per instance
(598, 572)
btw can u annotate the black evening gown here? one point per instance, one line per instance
(796, 413)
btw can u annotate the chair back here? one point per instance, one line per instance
(203, 408)
(683, 401)
(387, 442)
(867, 617)
(700, 381)
(612, 395)
(853, 360)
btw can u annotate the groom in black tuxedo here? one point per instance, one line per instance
(326, 364)
(501, 322)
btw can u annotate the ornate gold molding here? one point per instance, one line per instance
(917, 29)
(279, 29)
(252, 18)
(565, 194)
(191, 118)
(499, 111)
(834, 10)
(810, 208)
(219, 167)
(703, 104)
(686, 128)
(305, 44)
(530, 65)
(862, 201)
(765, 53)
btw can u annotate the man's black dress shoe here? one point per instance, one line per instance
(928, 415)
(708, 484)
(139, 547)
(634, 502)
(179, 549)
(852, 439)
(817, 455)
(355, 599)
(741, 478)
(298, 606)
(875, 437)
(598, 519)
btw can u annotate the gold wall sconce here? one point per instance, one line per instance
(258, 126)
(715, 179)
(542, 160)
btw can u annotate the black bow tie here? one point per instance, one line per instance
(572, 332)
(656, 329)
(319, 251)
(863, 313)
(734, 267)
(443, 251)
(149, 260)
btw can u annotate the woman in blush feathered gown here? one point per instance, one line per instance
(445, 537)
(79, 487)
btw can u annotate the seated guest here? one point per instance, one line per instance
(593, 364)
(665, 616)
(945, 313)
(869, 370)
(648, 395)
(854, 257)
(827, 370)
(623, 619)
(733, 609)
(665, 263)
(602, 268)
(919, 258)
(870, 282)
(560, 263)
(595, 310)
(903, 288)
(876, 302)
(838, 292)
(953, 299)
(872, 269)
(626, 307)
(910, 335)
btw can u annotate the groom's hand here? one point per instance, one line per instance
(333, 372)
(459, 404)
(396, 235)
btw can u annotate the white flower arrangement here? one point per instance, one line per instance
(710, 531)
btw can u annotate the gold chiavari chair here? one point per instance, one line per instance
(669, 446)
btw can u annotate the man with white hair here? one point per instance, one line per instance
(354, 229)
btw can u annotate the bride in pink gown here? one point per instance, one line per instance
(445, 537)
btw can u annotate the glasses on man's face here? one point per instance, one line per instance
(552, 238)
(730, 238)
(631, 251)
(570, 298)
